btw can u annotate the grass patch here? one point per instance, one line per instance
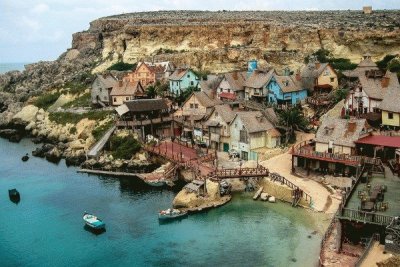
(75, 87)
(46, 100)
(73, 118)
(100, 130)
(73, 130)
(82, 101)
(124, 147)
(121, 66)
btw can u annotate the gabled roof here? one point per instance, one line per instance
(311, 72)
(151, 67)
(126, 88)
(225, 112)
(373, 86)
(258, 78)
(391, 100)
(254, 121)
(178, 74)
(166, 65)
(287, 84)
(340, 131)
(143, 105)
(236, 79)
(107, 80)
(205, 99)
(364, 65)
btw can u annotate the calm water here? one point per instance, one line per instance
(46, 227)
(4, 67)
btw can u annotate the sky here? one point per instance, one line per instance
(33, 30)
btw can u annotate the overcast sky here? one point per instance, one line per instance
(33, 30)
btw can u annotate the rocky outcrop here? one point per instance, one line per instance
(221, 41)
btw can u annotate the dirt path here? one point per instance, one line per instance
(321, 197)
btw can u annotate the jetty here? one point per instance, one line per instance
(111, 173)
(258, 193)
(96, 148)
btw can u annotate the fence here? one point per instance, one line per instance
(276, 177)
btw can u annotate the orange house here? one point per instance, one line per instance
(145, 74)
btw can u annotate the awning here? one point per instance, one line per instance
(121, 110)
(380, 140)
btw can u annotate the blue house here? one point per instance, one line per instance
(285, 89)
(181, 80)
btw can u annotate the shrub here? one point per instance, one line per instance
(75, 87)
(82, 101)
(383, 64)
(46, 100)
(72, 130)
(73, 118)
(124, 147)
(121, 66)
(99, 131)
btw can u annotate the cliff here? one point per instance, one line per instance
(221, 41)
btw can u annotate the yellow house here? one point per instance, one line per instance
(391, 108)
(319, 76)
(125, 91)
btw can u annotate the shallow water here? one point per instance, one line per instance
(4, 67)
(46, 227)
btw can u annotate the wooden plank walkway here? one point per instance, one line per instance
(111, 173)
(96, 148)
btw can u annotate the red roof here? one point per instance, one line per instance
(381, 140)
(227, 95)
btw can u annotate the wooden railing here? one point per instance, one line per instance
(240, 173)
(365, 217)
(365, 252)
(276, 177)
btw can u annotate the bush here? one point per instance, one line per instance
(72, 130)
(99, 131)
(82, 101)
(325, 56)
(73, 118)
(394, 65)
(383, 64)
(121, 66)
(46, 100)
(75, 87)
(124, 147)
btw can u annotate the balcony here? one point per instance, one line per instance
(215, 137)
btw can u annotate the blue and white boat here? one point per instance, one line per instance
(171, 214)
(93, 222)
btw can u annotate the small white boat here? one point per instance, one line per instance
(93, 222)
(169, 214)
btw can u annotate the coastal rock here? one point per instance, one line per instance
(12, 135)
(53, 155)
(41, 151)
(190, 200)
(26, 115)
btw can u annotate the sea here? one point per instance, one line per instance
(5, 67)
(46, 228)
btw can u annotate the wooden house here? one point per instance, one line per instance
(181, 80)
(286, 89)
(101, 89)
(231, 86)
(319, 77)
(251, 130)
(145, 74)
(255, 85)
(124, 91)
(390, 107)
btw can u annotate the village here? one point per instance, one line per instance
(297, 136)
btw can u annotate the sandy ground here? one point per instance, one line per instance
(375, 255)
(322, 199)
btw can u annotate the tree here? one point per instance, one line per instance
(151, 91)
(292, 119)
(186, 94)
(121, 66)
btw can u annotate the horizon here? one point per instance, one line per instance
(36, 31)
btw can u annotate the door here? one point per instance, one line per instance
(245, 155)
(226, 147)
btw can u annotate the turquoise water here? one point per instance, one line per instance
(4, 67)
(46, 227)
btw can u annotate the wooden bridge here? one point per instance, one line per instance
(239, 173)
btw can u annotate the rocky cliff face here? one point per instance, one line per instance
(221, 41)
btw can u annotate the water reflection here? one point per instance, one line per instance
(94, 231)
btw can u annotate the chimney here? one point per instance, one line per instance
(385, 81)
(298, 75)
(351, 126)
(120, 83)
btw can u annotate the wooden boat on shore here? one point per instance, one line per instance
(170, 214)
(93, 222)
(14, 195)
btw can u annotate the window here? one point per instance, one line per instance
(229, 90)
(115, 99)
(243, 136)
(220, 90)
(235, 125)
(191, 83)
(390, 116)
(127, 98)
(196, 105)
(332, 79)
(191, 105)
(188, 76)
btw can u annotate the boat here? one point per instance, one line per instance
(93, 222)
(170, 214)
(25, 158)
(14, 195)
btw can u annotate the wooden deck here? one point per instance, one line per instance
(240, 173)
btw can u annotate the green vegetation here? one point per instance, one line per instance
(100, 130)
(75, 87)
(157, 90)
(73, 118)
(202, 74)
(46, 100)
(168, 51)
(292, 119)
(81, 101)
(121, 66)
(383, 64)
(325, 56)
(72, 130)
(340, 94)
(124, 147)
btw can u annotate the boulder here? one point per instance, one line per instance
(53, 155)
(26, 115)
(11, 134)
(41, 151)
(272, 199)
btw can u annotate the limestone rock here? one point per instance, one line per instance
(26, 115)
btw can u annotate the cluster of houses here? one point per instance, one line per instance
(228, 112)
